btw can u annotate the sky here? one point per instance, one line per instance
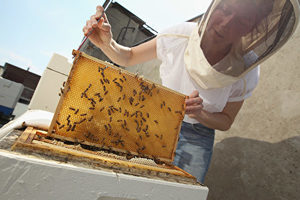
(32, 30)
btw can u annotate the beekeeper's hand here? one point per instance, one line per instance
(218, 120)
(193, 104)
(101, 35)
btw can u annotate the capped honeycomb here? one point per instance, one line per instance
(104, 106)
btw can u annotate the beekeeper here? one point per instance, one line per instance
(214, 61)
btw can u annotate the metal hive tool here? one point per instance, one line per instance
(104, 106)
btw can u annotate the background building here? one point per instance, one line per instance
(16, 89)
(25, 77)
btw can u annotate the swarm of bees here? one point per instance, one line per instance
(105, 106)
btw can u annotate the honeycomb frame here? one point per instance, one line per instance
(105, 106)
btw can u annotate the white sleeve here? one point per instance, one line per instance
(163, 43)
(160, 48)
(243, 88)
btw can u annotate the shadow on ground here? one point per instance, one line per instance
(247, 169)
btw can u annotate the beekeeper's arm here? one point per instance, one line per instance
(121, 55)
(220, 120)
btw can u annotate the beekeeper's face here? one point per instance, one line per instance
(231, 20)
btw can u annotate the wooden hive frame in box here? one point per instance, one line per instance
(35, 142)
(105, 107)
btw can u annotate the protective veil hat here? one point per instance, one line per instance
(279, 21)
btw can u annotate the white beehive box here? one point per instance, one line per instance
(46, 96)
(10, 93)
